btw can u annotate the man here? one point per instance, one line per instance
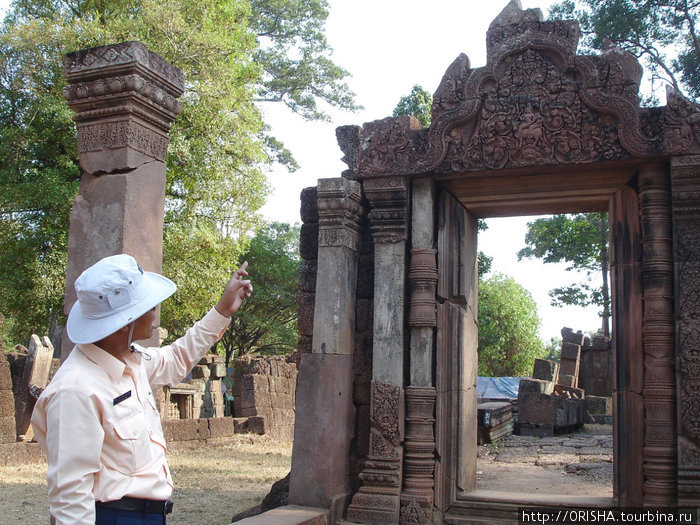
(97, 420)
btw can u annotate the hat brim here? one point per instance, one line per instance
(82, 330)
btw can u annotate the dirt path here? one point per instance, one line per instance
(579, 463)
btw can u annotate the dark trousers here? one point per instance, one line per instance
(106, 516)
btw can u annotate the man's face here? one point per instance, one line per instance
(143, 326)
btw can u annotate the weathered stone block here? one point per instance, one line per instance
(546, 370)
(307, 276)
(599, 405)
(257, 425)
(305, 313)
(569, 336)
(568, 367)
(207, 359)
(218, 370)
(574, 412)
(541, 409)
(570, 351)
(365, 276)
(308, 241)
(180, 429)
(5, 375)
(217, 398)
(568, 380)
(7, 403)
(568, 391)
(535, 385)
(203, 427)
(324, 429)
(8, 431)
(220, 427)
(309, 207)
(201, 372)
(304, 344)
(600, 342)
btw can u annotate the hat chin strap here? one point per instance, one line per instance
(132, 347)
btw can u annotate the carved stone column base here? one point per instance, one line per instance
(378, 501)
(419, 456)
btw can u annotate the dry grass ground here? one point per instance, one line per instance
(213, 481)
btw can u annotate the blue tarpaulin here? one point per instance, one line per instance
(497, 387)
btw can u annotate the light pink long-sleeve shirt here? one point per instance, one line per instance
(98, 423)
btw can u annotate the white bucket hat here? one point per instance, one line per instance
(112, 293)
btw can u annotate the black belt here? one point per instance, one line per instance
(147, 506)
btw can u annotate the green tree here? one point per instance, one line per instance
(219, 146)
(418, 104)
(294, 55)
(200, 260)
(581, 240)
(663, 33)
(508, 325)
(266, 324)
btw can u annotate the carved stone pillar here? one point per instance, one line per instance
(378, 500)
(124, 98)
(658, 333)
(419, 448)
(685, 181)
(325, 417)
(419, 456)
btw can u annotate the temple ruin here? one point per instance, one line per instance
(386, 417)
(386, 402)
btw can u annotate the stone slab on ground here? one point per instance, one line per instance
(289, 515)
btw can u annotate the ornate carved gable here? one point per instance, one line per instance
(535, 103)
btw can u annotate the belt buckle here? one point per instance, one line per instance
(168, 507)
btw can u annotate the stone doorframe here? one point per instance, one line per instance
(539, 129)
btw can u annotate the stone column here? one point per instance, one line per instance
(325, 418)
(658, 333)
(378, 500)
(419, 448)
(685, 182)
(124, 98)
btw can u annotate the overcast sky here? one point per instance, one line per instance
(388, 46)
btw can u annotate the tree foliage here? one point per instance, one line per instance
(234, 53)
(266, 324)
(294, 55)
(508, 325)
(581, 240)
(418, 104)
(663, 33)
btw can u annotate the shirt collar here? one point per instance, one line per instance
(113, 366)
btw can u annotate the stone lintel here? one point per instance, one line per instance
(124, 98)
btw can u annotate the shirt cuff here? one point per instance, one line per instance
(215, 322)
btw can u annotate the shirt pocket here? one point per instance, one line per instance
(131, 445)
